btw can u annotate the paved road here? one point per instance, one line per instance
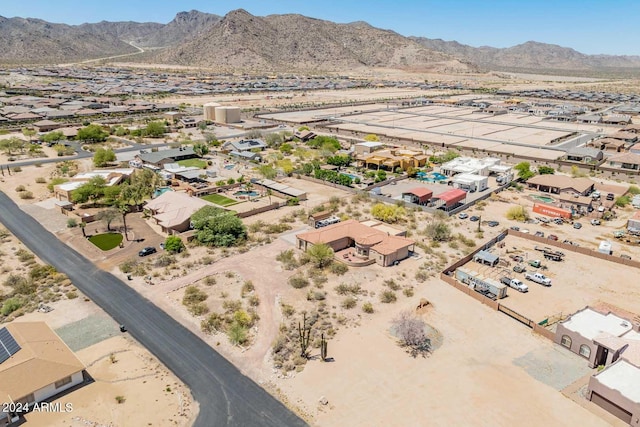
(226, 397)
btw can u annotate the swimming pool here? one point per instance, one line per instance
(160, 191)
(229, 167)
(353, 177)
(246, 193)
(430, 176)
(545, 199)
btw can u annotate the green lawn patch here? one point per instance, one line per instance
(188, 163)
(106, 241)
(219, 200)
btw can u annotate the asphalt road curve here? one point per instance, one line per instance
(226, 397)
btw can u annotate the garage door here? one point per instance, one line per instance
(611, 407)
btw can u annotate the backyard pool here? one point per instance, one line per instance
(430, 176)
(545, 199)
(246, 193)
(353, 177)
(160, 191)
(229, 167)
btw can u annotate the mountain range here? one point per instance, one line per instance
(241, 41)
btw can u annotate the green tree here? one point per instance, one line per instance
(92, 190)
(340, 161)
(524, 170)
(12, 145)
(92, 133)
(381, 175)
(52, 137)
(546, 170)
(174, 244)
(155, 129)
(321, 254)
(518, 213)
(274, 139)
(325, 142)
(372, 138)
(103, 156)
(218, 227)
(108, 215)
(29, 133)
(286, 148)
(200, 149)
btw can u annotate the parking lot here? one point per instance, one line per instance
(576, 281)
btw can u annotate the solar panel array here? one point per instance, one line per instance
(8, 345)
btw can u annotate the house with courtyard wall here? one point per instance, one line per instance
(557, 184)
(172, 210)
(367, 242)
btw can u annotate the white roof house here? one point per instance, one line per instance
(590, 323)
(469, 165)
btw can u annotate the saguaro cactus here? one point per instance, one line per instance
(323, 348)
(304, 333)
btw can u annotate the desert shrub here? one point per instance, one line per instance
(344, 289)
(237, 333)
(40, 180)
(319, 279)
(24, 255)
(164, 260)
(242, 318)
(71, 295)
(466, 240)
(408, 292)
(127, 266)
(11, 305)
(388, 297)
(198, 309)
(17, 169)
(298, 281)
(287, 310)
(338, 268)
(391, 284)
(20, 188)
(206, 260)
(421, 276)
(120, 399)
(348, 303)
(210, 280)
(232, 306)
(193, 295)
(438, 231)
(25, 195)
(288, 259)
(254, 301)
(517, 213)
(410, 331)
(71, 223)
(367, 307)
(213, 323)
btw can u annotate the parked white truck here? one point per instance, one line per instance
(515, 284)
(538, 278)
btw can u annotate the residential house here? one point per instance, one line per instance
(172, 210)
(394, 159)
(584, 154)
(161, 157)
(556, 184)
(46, 126)
(35, 364)
(360, 243)
(609, 144)
(368, 147)
(244, 145)
(628, 161)
(616, 119)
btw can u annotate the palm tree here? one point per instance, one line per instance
(123, 208)
(269, 194)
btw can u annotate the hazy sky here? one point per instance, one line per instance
(589, 26)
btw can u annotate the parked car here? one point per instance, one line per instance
(515, 284)
(474, 218)
(577, 225)
(558, 221)
(463, 216)
(552, 237)
(538, 278)
(625, 256)
(515, 227)
(610, 196)
(595, 195)
(600, 208)
(539, 234)
(147, 251)
(516, 258)
(493, 223)
(519, 268)
(595, 222)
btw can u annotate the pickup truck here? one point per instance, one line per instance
(538, 278)
(515, 284)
